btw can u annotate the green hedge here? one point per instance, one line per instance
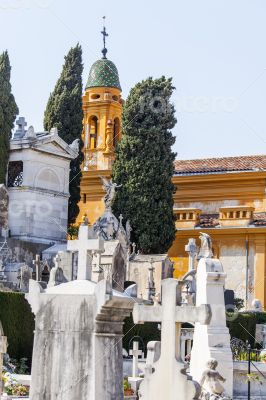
(148, 332)
(244, 326)
(18, 324)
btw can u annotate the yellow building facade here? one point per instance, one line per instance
(224, 197)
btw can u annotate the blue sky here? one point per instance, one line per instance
(215, 50)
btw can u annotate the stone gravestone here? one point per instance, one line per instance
(3, 349)
(168, 379)
(24, 278)
(213, 340)
(86, 245)
(135, 380)
(77, 351)
(192, 250)
(56, 274)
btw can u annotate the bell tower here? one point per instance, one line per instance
(102, 107)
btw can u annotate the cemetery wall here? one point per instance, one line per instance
(258, 387)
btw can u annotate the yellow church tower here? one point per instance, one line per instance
(102, 107)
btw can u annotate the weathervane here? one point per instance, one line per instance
(105, 34)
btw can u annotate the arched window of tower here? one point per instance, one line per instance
(116, 131)
(93, 128)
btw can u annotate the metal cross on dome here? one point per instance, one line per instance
(105, 34)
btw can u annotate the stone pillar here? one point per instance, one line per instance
(3, 349)
(77, 351)
(108, 362)
(213, 340)
(260, 271)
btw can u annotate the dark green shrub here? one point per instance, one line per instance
(18, 324)
(243, 326)
(148, 332)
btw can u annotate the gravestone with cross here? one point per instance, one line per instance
(135, 352)
(168, 379)
(192, 250)
(20, 132)
(85, 246)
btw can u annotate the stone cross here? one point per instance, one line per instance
(168, 377)
(192, 250)
(135, 352)
(37, 263)
(21, 123)
(84, 246)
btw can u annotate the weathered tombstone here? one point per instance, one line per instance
(192, 250)
(153, 352)
(168, 376)
(37, 264)
(85, 245)
(3, 349)
(135, 353)
(119, 268)
(78, 341)
(213, 340)
(135, 380)
(56, 275)
(24, 278)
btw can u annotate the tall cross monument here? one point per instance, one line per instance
(169, 381)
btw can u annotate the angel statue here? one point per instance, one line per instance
(206, 246)
(212, 389)
(109, 187)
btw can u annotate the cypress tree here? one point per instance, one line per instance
(144, 165)
(64, 111)
(8, 112)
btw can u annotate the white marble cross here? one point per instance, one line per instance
(84, 246)
(192, 250)
(135, 353)
(169, 366)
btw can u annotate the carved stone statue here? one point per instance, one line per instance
(206, 246)
(109, 187)
(212, 389)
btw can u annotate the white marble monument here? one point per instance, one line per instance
(212, 340)
(38, 185)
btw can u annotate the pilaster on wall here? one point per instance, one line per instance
(260, 270)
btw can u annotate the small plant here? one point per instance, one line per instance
(73, 232)
(16, 366)
(263, 357)
(127, 388)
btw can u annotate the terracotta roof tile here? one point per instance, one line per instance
(208, 221)
(219, 165)
(259, 219)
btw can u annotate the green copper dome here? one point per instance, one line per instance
(103, 73)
